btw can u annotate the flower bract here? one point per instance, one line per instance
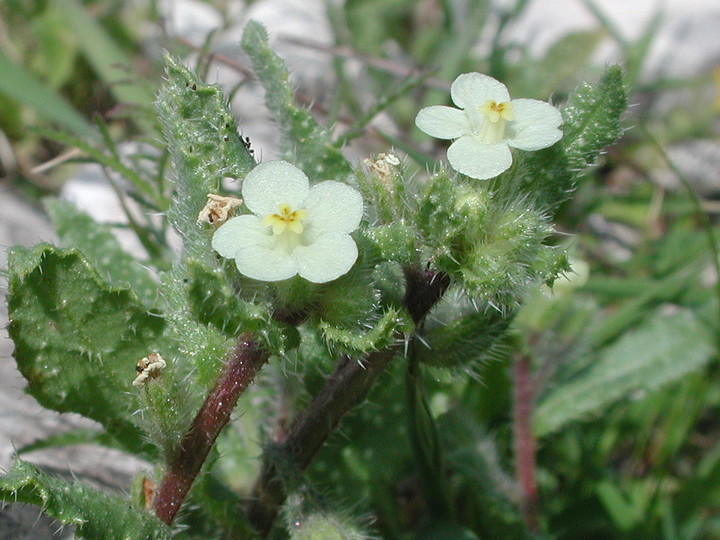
(293, 228)
(487, 123)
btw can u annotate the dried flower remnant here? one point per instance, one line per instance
(149, 367)
(382, 165)
(294, 229)
(487, 124)
(218, 209)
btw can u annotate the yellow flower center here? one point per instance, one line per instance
(496, 115)
(286, 219)
(494, 111)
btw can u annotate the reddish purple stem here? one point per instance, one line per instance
(525, 441)
(237, 374)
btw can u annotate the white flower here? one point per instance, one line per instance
(487, 123)
(294, 229)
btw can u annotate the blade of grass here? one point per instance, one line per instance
(144, 187)
(18, 84)
(700, 214)
(104, 55)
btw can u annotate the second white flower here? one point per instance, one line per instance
(487, 123)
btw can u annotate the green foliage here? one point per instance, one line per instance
(213, 302)
(481, 481)
(660, 351)
(591, 122)
(320, 526)
(303, 141)
(104, 54)
(592, 118)
(205, 147)
(446, 211)
(19, 85)
(101, 249)
(77, 337)
(306, 520)
(94, 514)
(383, 186)
(394, 242)
(509, 256)
(381, 335)
(463, 341)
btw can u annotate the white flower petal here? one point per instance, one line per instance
(535, 125)
(477, 159)
(274, 183)
(333, 207)
(474, 89)
(265, 264)
(328, 258)
(443, 122)
(239, 232)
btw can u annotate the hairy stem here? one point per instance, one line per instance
(344, 389)
(525, 441)
(245, 361)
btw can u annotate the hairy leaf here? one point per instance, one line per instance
(303, 141)
(591, 122)
(77, 339)
(465, 340)
(378, 337)
(100, 247)
(205, 147)
(95, 514)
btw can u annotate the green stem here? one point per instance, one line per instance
(426, 447)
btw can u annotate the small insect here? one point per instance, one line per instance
(246, 144)
(148, 367)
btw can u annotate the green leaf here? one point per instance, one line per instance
(592, 118)
(104, 54)
(303, 141)
(378, 337)
(323, 526)
(95, 514)
(591, 122)
(100, 247)
(213, 302)
(480, 481)
(658, 352)
(20, 85)
(465, 340)
(425, 443)
(76, 436)
(77, 339)
(393, 242)
(205, 147)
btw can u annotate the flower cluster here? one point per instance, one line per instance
(487, 124)
(294, 229)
